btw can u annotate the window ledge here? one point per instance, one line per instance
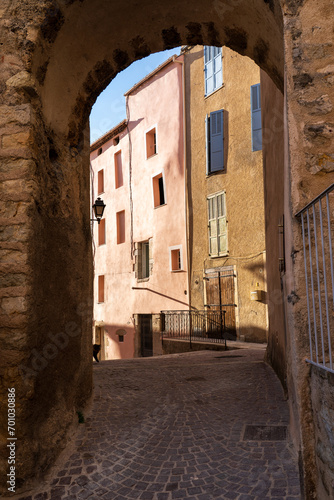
(176, 270)
(159, 206)
(152, 156)
(142, 280)
(101, 192)
(214, 91)
(221, 171)
(219, 256)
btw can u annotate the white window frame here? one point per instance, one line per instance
(165, 194)
(222, 84)
(156, 140)
(175, 247)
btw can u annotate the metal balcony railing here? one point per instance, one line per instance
(194, 326)
(317, 228)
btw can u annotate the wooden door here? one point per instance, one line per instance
(146, 335)
(220, 293)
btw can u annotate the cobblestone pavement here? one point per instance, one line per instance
(173, 427)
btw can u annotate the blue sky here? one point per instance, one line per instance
(109, 108)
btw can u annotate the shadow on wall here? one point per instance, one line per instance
(253, 333)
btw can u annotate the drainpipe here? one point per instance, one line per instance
(175, 59)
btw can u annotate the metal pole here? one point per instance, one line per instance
(318, 283)
(220, 306)
(312, 285)
(325, 285)
(307, 291)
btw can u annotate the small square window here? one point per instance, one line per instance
(102, 232)
(151, 143)
(99, 152)
(120, 223)
(116, 141)
(120, 338)
(100, 182)
(158, 191)
(101, 288)
(175, 258)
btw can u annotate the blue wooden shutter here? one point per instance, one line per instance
(207, 143)
(208, 70)
(256, 117)
(216, 141)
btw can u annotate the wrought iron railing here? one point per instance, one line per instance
(317, 228)
(208, 326)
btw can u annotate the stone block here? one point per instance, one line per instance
(320, 163)
(10, 305)
(12, 280)
(16, 189)
(320, 133)
(19, 232)
(13, 209)
(16, 140)
(320, 106)
(13, 256)
(15, 114)
(23, 81)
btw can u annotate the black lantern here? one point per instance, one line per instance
(98, 208)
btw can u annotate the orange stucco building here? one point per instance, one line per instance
(227, 250)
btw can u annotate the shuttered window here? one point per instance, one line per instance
(142, 263)
(213, 70)
(217, 224)
(214, 125)
(256, 117)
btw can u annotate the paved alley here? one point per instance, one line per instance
(199, 426)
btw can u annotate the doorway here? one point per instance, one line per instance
(220, 289)
(146, 336)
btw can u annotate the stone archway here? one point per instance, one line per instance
(58, 56)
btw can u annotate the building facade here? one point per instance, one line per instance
(227, 257)
(140, 244)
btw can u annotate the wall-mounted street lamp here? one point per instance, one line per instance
(98, 208)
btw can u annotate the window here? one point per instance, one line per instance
(118, 170)
(151, 143)
(158, 190)
(121, 333)
(99, 152)
(217, 224)
(100, 182)
(101, 288)
(142, 265)
(213, 69)
(116, 141)
(214, 124)
(175, 258)
(120, 223)
(256, 117)
(102, 232)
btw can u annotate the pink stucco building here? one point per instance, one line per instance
(140, 245)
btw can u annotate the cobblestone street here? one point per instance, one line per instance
(181, 426)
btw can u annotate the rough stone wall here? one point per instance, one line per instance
(46, 270)
(309, 55)
(56, 58)
(322, 388)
